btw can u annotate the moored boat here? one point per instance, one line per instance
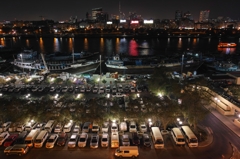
(227, 45)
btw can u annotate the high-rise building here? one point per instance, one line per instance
(204, 16)
(95, 11)
(178, 15)
(187, 15)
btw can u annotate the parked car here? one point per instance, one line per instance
(146, 140)
(3, 137)
(82, 142)
(135, 139)
(95, 127)
(94, 141)
(19, 149)
(40, 126)
(58, 128)
(123, 126)
(73, 141)
(114, 127)
(5, 126)
(51, 141)
(21, 137)
(95, 89)
(64, 89)
(76, 129)
(10, 140)
(108, 89)
(105, 127)
(62, 139)
(132, 127)
(143, 128)
(125, 140)
(105, 140)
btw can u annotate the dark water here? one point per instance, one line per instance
(125, 46)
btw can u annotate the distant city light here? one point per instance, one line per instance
(123, 21)
(134, 22)
(109, 22)
(148, 21)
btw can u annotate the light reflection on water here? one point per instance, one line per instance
(127, 46)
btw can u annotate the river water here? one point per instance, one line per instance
(125, 46)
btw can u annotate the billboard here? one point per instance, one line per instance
(109, 22)
(123, 21)
(134, 22)
(148, 21)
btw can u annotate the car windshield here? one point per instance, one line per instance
(104, 139)
(38, 141)
(125, 139)
(50, 140)
(94, 140)
(82, 140)
(146, 140)
(95, 127)
(9, 140)
(114, 127)
(132, 126)
(72, 140)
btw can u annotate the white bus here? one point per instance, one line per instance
(178, 136)
(30, 139)
(157, 138)
(191, 139)
(114, 140)
(49, 126)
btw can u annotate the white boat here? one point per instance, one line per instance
(143, 65)
(30, 63)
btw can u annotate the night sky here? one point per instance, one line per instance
(62, 10)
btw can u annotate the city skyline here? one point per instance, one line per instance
(62, 10)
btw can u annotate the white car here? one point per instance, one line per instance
(143, 127)
(51, 141)
(114, 89)
(58, 128)
(101, 90)
(120, 88)
(5, 126)
(82, 142)
(76, 129)
(95, 89)
(105, 127)
(95, 127)
(64, 89)
(52, 89)
(132, 89)
(114, 127)
(73, 141)
(3, 137)
(105, 140)
(82, 89)
(108, 89)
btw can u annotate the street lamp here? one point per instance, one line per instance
(22, 62)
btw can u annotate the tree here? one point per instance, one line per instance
(193, 100)
(104, 82)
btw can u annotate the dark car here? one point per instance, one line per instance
(135, 139)
(146, 140)
(21, 137)
(62, 139)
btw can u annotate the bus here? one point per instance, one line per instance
(177, 136)
(114, 140)
(157, 138)
(190, 137)
(49, 126)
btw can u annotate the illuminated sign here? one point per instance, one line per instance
(134, 22)
(109, 22)
(123, 21)
(148, 21)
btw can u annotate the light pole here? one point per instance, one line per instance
(180, 77)
(22, 62)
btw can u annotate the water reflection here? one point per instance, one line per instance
(109, 47)
(27, 43)
(85, 45)
(56, 45)
(227, 50)
(41, 45)
(2, 42)
(70, 45)
(101, 45)
(133, 48)
(117, 45)
(179, 43)
(123, 46)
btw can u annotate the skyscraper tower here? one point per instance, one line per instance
(204, 16)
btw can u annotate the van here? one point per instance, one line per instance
(178, 136)
(127, 151)
(49, 126)
(41, 138)
(29, 140)
(114, 140)
(123, 126)
(67, 127)
(18, 149)
(132, 127)
(21, 137)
